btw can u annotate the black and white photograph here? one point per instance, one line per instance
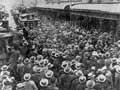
(59, 44)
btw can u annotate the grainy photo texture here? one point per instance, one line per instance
(59, 44)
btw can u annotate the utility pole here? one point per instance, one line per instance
(22, 2)
(70, 2)
(69, 11)
(35, 3)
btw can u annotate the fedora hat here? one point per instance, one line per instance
(82, 79)
(7, 73)
(67, 69)
(20, 85)
(26, 60)
(4, 68)
(79, 73)
(44, 82)
(65, 64)
(27, 76)
(90, 83)
(32, 58)
(101, 78)
(39, 57)
(49, 73)
(78, 66)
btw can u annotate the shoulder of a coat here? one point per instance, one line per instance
(31, 82)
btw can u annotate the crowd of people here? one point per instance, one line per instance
(62, 56)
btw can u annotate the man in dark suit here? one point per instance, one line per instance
(25, 33)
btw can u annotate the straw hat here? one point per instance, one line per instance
(32, 58)
(114, 60)
(11, 79)
(49, 73)
(57, 55)
(79, 73)
(7, 73)
(65, 64)
(73, 62)
(4, 68)
(44, 50)
(78, 65)
(91, 75)
(104, 68)
(20, 85)
(46, 61)
(101, 78)
(26, 60)
(20, 58)
(42, 63)
(118, 43)
(93, 68)
(78, 57)
(25, 43)
(94, 53)
(66, 52)
(6, 82)
(44, 82)
(107, 54)
(108, 74)
(27, 76)
(50, 65)
(67, 69)
(35, 68)
(39, 69)
(90, 83)
(82, 79)
(21, 32)
(53, 53)
(39, 57)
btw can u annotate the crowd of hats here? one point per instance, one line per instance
(6, 81)
(70, 58)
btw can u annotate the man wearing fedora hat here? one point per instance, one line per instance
(20, 69)
(28, 83)
(65, 78)
(53, 84)
(43, 84)
(103, 82)
(77, 79)
(117, 78)
(7, 84)
(109, 80)
(81, 84)
(49, 74)
(4, 68)
(20, 86)
(38, 74)
(90, 84)
(27, 65)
